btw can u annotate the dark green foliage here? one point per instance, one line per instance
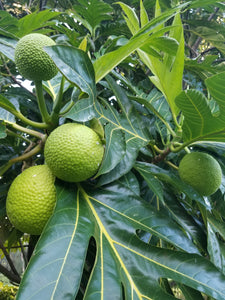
(149, 77)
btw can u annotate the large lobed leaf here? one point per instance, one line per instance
(199, 122)
(132, 127)
(104, 64)
(112, 215)
(167, 68)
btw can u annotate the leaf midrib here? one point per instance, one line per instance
(111, 242)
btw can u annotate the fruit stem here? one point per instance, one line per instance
(58, 103)
(35, 133)
(158, 150)
(41, 102)
(11, 133)
(187, 150)
(176, 147)
(20, 116)
(171, 164)
(67, 109)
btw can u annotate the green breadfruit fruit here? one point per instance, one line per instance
(202, 172)
(32, 61)
(73, 152)
(31, 199)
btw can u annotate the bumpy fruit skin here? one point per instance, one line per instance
(73, 152)
(31, 199)
(32, 61)
(201, 171)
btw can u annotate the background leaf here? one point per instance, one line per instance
(205, 68)
(199, 123)
(37, 21)
(170, 66)
(216, 88)
(199, 3)
(8, 24)
(107, 62)
(93, 12)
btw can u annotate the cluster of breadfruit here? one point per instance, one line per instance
(73, 152)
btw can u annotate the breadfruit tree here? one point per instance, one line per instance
(121, 105)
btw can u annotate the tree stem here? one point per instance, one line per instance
(161, 156)
(10, 275)
(7, 256)
(23, 253)
(199, 39)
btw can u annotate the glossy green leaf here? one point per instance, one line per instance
(218, 226)
(211, 35)
(2, 131)
(143, 15)
(168, 71)
(175, 208)
(7, 47)
(156, 104)
(190, 293)
(96, 125)
(130, 17)
(131, 124)
(131, 182)
(199, 123)
(6, 109)
(168, 177)
(203, 3)
(82, 111)
(114, 149)
(133, 145)
(76, 66)
(104, 64)
(112, 215)
(214, 247)
(162, 44)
